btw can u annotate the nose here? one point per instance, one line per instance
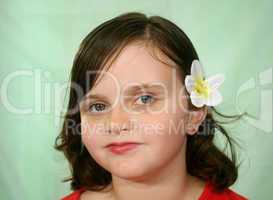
(120, 120)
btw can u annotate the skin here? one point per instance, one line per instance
(156, 169)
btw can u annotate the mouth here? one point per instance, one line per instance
(120, 144)
(123, 147)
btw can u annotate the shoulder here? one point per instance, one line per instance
(210, 194)
(82, 194)
(74, 195)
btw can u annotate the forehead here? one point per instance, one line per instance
(137, 64)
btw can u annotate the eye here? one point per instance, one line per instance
(97, 107)
(145, 98)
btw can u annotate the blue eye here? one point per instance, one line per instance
(97, 106)
(145, 98)
(100, 107)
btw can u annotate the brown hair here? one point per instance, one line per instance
(203, 158)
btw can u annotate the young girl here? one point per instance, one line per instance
(140, 120)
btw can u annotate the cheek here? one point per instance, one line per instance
(172, 135)
(93, 141)
(168, 134)
(90, 134)
(166, 124)
(166, 145)
(169, 146)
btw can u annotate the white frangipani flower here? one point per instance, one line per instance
(203, 91)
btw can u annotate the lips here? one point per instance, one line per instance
(120, 148)
(120, 144)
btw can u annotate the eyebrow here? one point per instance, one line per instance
(129, 91)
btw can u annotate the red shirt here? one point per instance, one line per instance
(207, 194)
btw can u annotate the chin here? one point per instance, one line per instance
(129, 172)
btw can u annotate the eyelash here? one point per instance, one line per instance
(151, 97)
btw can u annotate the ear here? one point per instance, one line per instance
(196, 117)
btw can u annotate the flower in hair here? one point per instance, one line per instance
(203, 91)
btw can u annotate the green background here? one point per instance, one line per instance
(40, 38)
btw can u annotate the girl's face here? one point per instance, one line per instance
(116, 110)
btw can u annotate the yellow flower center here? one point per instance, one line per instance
(201, 87)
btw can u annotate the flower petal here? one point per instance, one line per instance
(197, 100)
(189, 83)
(214, 99)
(215, 81)
(197, 69)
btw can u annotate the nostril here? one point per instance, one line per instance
(118, 129)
